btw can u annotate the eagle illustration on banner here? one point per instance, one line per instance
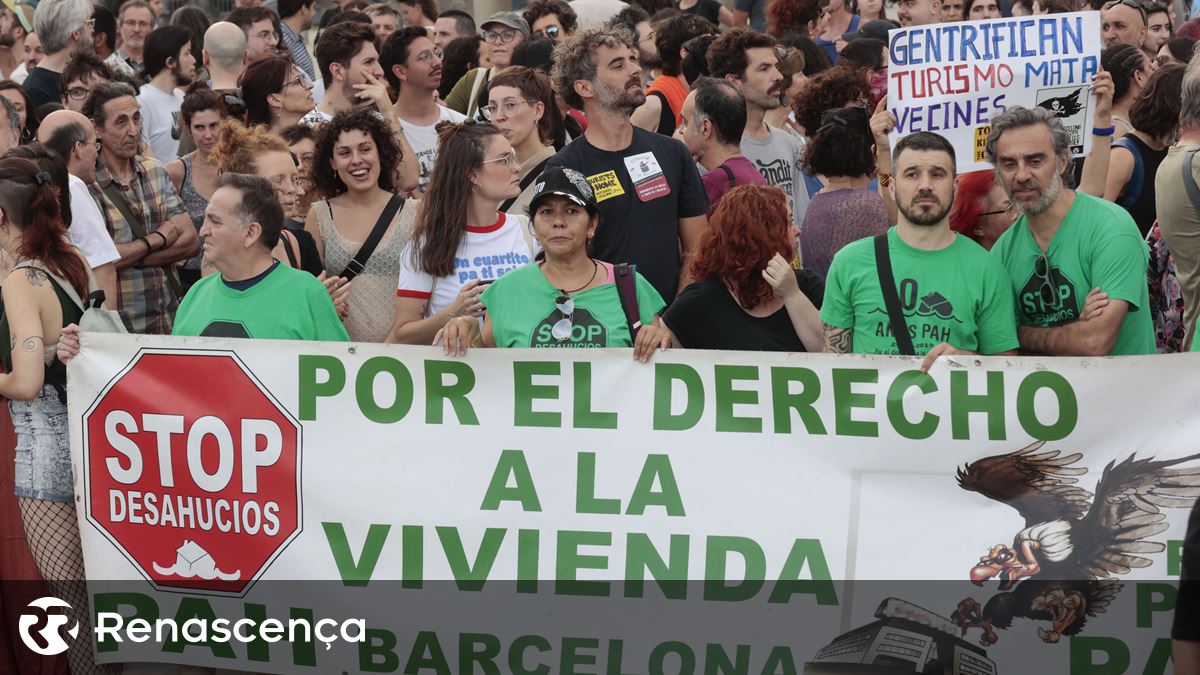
(1061, 567)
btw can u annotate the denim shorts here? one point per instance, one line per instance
(43, 468)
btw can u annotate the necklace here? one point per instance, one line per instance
(595, 270)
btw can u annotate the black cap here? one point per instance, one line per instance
(876, 28)
(563, 182)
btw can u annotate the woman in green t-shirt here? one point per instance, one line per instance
(568, 299)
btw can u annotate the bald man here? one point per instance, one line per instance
(73, 137)
(224, 54)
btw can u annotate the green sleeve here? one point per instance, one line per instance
(1119, 268)
(460, 95)
(650, 303)
(327, 327)
(996, 322)
(836, 309)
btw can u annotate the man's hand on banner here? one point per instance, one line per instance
(943, 349)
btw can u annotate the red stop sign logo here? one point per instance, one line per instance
(193, 470)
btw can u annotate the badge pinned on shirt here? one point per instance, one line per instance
(648, 180)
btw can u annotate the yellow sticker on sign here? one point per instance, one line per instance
(981, 136)
(606, 185)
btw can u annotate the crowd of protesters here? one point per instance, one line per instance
(656, 175)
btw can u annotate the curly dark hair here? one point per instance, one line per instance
(834, 88)
(727, 53)
(786, 17)
(672, 33)
(575, 59)
(842, 145)
(539, 8)
(359, 118)
(1156, 111)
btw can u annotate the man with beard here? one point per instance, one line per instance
(412, 65)
(15, 26)
(748, 60)
(651, 203)
(1064, 245)
(149, 225)
(170, 66)
(350, 71)
(953, 297)
(664, 96)
(64, 27)
(635, 20)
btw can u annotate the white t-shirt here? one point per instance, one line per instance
(485, 253)
(87, 231)
(161, 124)
(315, 118)
(424, 140)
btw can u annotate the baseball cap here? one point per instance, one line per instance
(877, 28)
(509, 19)
(563, 182)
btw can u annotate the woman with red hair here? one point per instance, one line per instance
(746, 295)
(981, 211)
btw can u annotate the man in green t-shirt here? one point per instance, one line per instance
(1064, 245)
(253, 295)
(954, 297)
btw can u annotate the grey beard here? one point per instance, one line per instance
(1048, 198)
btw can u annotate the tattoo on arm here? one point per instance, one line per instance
(32, 344)
(838, 340)
(34, 276)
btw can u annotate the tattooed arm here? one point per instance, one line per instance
(25, 292)
(838, 340)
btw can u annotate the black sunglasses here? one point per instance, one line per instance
(1128, 3)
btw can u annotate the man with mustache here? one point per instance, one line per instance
(651, 203)
(148, 222)
(412, 65)
(953, 297)
(747, 59)
(1066, 244)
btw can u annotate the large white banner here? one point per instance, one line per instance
(572, 511)
(952, 78)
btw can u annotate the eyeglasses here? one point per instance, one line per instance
(503, 37)
(561, 330)
(509, 107)
(130, 23)
(1010, 211)
(510, 160)
(281, 182)
(90, 23)
(1164, 60)
(268, 36)
(429, 54)
(551, 32)
(301, 79)
(1128, 3)
(1048, 291)
(78, 93)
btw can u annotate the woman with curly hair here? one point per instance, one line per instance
(352, 170)
(462, 241)
(793, 17)
(748, 296)
(835, 88)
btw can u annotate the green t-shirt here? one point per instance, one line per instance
(1097, 245)
(287, 304)
(958, 294)
(521, 307)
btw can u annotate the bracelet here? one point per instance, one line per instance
(149, 247)
(161, 236)
(885, 179)
(1106, 131)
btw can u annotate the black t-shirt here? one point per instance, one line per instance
(709, 9)
(310, 258)
(706, 316)
(1187, 605)
(643, 191)
(42, 86)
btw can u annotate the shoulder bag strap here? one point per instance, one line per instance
(139, 232)
(626, 277)
(482, 75)
(887, 283)
(359, 262)
(525, 183)
(288, 242)
(1137, 178)
(1189, 181)
(728, 174)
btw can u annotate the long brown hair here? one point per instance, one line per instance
(30, 200)
(441, 221)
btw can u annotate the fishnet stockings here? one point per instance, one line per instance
(52, 531)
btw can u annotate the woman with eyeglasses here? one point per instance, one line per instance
(747, 295)
(195, 174)
(462, 242)
(522, 105)
(845, 209)
(567, 299)
(277, 94)
(502, 33)
(982, 209)
(350, 169)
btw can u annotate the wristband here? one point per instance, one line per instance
(1106, 131)
(149, 247)
(161, 236)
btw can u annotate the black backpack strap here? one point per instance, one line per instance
(359, 263)
(525, 183)
(728, 173)
(626, 276)
(887, 283)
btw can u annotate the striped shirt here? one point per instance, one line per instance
(299, 52)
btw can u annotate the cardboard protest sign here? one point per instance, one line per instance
(952, 78)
